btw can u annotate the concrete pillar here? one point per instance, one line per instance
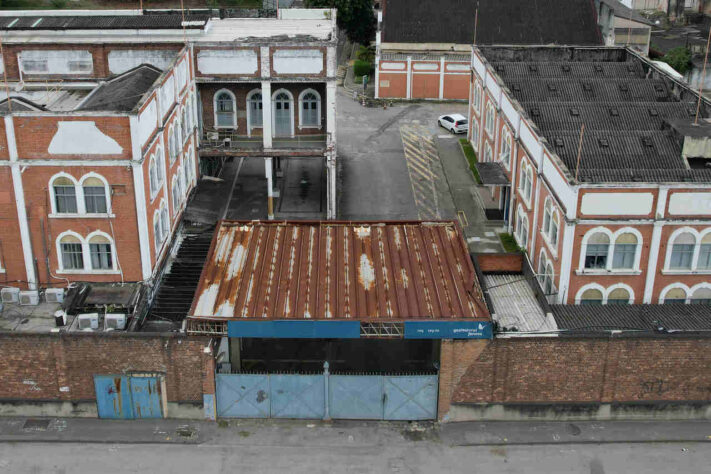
(331, 183)
(331, 112)
(270, 189)
(408, 93)
(267, 114)
(441, 78)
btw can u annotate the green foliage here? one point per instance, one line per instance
(356, 17)
(361, 67)
(471, 157)
(366, 53)
(509, 243)
(678, 58)
(59, 4)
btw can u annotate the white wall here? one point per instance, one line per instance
(241, 61)
(616, 204)
(298, 61)
(123, 60)
(690, 204)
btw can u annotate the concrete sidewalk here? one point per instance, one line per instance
(308, 433)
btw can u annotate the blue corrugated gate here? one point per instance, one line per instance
(243, 396)
(128, 397)
(356, 397)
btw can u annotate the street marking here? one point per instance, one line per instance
(462, 219)
(420, 154)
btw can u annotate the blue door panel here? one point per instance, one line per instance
(297, 396)
(113, 397)
(410, 397)
(242, 396)
(145, 392)
(356, 397)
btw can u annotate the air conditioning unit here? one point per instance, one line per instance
(29, 298)
(213, 136)
(54, 295)
(114, 321)
(60, 318)
(88, 321)
(10, 295)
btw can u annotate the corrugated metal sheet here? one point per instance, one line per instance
(645, 317)
(338, 270)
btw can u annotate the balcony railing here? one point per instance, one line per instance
(229, 141)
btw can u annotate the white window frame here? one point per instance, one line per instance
(234, 110)
(475, 135)
(554, 216)
(506, 142)
(318, 109)
(490, 120)
(689, 291)
(522, 216)
(488, 153)
(698, 236)
(605, 291)
(79, 196)
(476, 100)
(291, 109)
(249, 101)
(86, 254)
(525, 182)
(612, 236)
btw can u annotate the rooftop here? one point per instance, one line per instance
(384, 271)
(499, 22)
(516, 307)
(645, 318)
(123, 92)
(306, 25)
(627, 108)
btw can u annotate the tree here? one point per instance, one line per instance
(355, 17)
(678, 58)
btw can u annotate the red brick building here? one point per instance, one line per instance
(422, 48)
(607, 186)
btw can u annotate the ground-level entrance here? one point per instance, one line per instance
(129, 396)
(376, 379)
(323, 396)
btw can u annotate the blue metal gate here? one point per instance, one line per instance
(243, 396)
(355, 397)
(411, 397)
(128, 397)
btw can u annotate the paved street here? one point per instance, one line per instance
(396, 163)
(260, 446)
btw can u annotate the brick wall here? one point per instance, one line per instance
(500, 262)
(54, 367)
(579, 370)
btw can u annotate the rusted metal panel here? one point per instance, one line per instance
(393, 270)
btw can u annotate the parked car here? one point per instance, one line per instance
(455, 123)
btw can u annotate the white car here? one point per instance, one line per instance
(455, 123)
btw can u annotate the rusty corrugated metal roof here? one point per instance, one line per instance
(338, 270)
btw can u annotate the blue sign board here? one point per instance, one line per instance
(295, 329)
(448, 330)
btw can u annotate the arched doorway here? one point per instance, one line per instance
(283, 114)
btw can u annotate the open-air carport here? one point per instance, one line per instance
(334, 319)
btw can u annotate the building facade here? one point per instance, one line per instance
(110, 113)
(609, 193)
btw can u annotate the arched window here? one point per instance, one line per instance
(487, 152)
(184, 125)
(164, 223)
(172, 145)
(254, 109)
(157, 231)
(704, 262)
(506, 140)
(310, 109)
(225, 109)
(682, 253)
(618, 296)
(522, 227)
(71, 253)
(675, 296)
(489, 120)
(282, 113)
(475, 135)
(153, 176)
(525, 184)
(476, 100)
(555, 225)
(701, 296)
(547, 216)
(542, 263)
(187, 169)
(160, 165)
(101, 253)
(188, 115)
(548, 287)
(175, 188)
(591, 296)
(94, 196)
(625, 251)
(65, 195)
(598, 246)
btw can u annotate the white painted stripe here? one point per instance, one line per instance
(140, 196)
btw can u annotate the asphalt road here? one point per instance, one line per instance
(422, 457)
